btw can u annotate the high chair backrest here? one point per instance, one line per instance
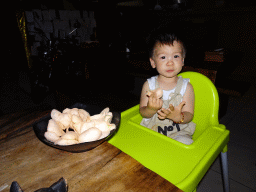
(206, 101)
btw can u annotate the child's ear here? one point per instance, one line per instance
(152, 62)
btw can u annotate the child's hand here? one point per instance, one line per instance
(173, 113)
(154, 103)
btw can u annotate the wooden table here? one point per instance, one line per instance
(34, 165)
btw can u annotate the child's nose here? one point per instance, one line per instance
(170, 61)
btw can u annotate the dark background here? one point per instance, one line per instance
(205, 25)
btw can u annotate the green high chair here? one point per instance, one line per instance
(183, 165)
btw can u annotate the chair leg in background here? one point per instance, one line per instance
(224, 163)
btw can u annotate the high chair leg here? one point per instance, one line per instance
(224, 163)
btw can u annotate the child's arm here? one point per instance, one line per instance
(186, 107)
(149, 105)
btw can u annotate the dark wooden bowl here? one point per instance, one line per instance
(40, 128)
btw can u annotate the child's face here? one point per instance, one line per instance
(168, 59)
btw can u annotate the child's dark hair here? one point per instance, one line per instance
(164, 36)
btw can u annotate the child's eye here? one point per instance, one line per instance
(163, 57)
(176, 56)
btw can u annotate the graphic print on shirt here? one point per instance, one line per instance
(168, 128)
